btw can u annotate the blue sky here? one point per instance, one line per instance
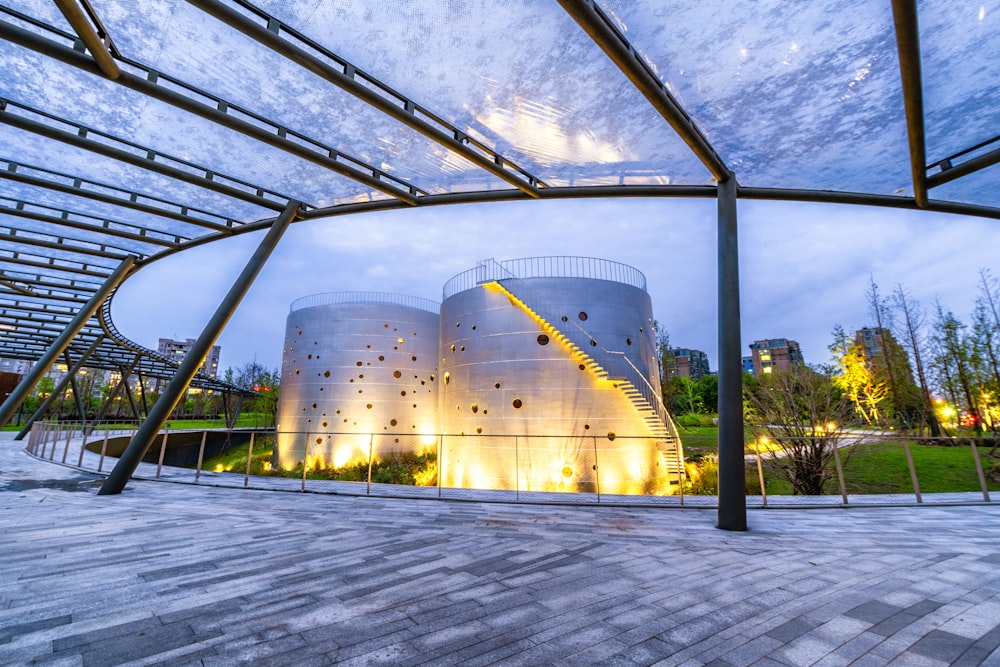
(804, 267)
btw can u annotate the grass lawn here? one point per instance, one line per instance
(881, 468)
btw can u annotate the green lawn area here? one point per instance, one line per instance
(881, 468)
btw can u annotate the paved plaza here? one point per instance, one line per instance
(193, 575)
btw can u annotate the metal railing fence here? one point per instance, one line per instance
(863, 471)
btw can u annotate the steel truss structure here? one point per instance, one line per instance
(132, 132)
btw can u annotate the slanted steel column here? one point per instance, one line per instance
(161, 410)
(75, 388)
(58, 389)
(113, 394)
(732, 485)
(42, 366)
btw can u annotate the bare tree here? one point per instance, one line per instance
(803, 413)
(913, 317)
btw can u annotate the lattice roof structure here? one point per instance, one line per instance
(134, 129)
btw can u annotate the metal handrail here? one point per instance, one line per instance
(547, 267)
(490, 270)
(382, 298)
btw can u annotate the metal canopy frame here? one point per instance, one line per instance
(63, 230)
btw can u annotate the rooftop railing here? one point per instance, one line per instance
(545, 267)
(382, 298)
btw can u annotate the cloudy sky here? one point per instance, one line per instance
(804, 267)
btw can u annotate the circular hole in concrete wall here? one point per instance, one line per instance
(359, 363)
(452, 347)
(628, 341)
(413, 358)
(611, 435)
(397, 374)
(462, 348)
(593, 343)
(402, 393)
(542, 339)
(496, 385)
(296, 371)
(369, 406)
(392, 422)
(319, 441)
(517, 403)
(479, 429)
(447, 377)
(314, 406)
(326, 374)
(309, 356)
(567, 471)
(586, 427)
(324, 424)
(565, 319)
(381, 357)
(474, 407)
(582, 367)
(582, 316)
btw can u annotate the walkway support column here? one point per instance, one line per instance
(42, 366)
(732, 485)
(161, 410)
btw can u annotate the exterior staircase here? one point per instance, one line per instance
(616, 370)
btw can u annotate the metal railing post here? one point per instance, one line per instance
(305, 463)
(840, 474)
(201, 456)
(597, 472)
(913, 471)
(440, 462)
(979, 472)
(760, 473)
(681, 472)
(371, 443)
(104, 446)
(246, 476)
(83, 447)
(517, 469)
(163, 450)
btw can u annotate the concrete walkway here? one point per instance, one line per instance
(180, 574)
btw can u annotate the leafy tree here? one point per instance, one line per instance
(954, 361)
(802, 413)
(261, 380)
(708, 391)
(855, 377)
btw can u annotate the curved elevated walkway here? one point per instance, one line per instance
(176, 574)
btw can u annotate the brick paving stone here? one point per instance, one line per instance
(181, 574)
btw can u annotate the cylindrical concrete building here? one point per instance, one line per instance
(358, 377)
(550, 382)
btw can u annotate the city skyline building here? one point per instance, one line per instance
(689, 363)
(775, 354)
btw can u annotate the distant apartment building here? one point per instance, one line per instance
(747, 365)
(874, 341)
(689, 363)
(775, 354)
(176, 350)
